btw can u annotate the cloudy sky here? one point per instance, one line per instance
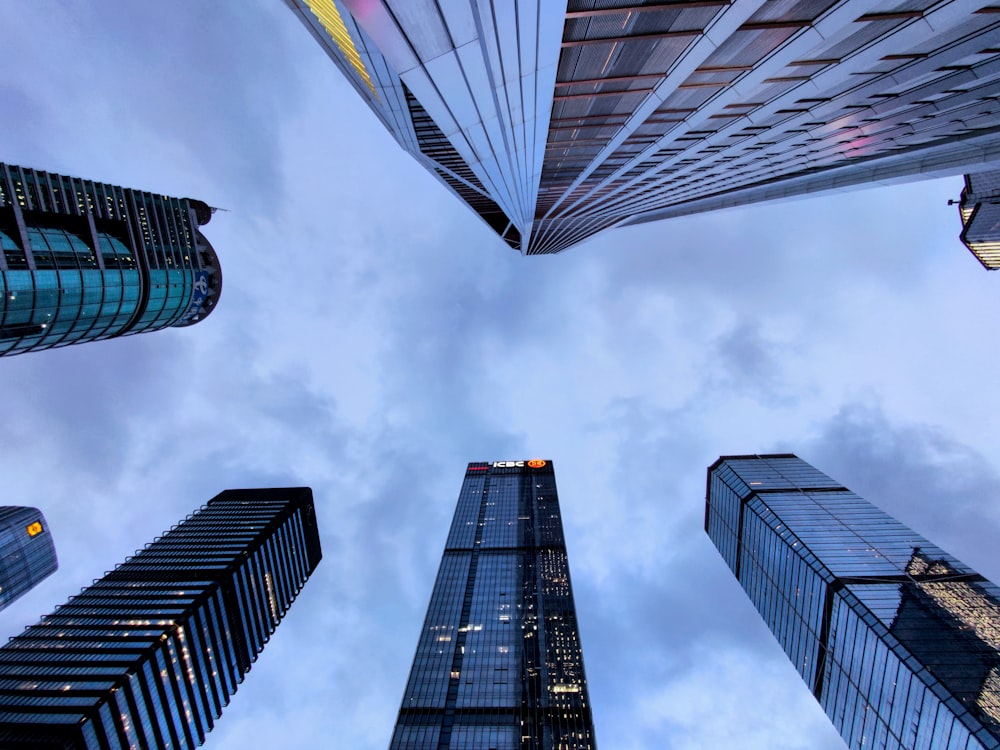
(374, 336)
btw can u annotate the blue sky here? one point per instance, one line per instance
(374, 336)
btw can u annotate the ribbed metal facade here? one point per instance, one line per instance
(499, 663)
(27, 554)
(83, 261)
(148, 655)
(898, 641)
(556, 120)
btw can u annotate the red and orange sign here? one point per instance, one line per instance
(34, 529)
(536, 463)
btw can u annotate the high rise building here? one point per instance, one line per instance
(979, 208)
(148, 655)
(27, 554)
(898, 641)
(555, 120)
(83, 261)
(499, 663)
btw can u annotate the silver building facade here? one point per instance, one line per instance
(555, 120)
(898, 640)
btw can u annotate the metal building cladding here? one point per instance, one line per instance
(556, 120)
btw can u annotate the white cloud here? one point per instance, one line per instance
(727, 697)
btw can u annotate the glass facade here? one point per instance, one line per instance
(499, 663)
(898, 640)
(149, 654)
(83, 261)
(556, 120)
(979, 208)
(27, 554)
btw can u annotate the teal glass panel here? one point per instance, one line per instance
(59, 241)
(114, 252)
(164, 302)
(53, 307)
(57, 248)
(72, 296)
(12, 252)
(19, 299)
(40, 249)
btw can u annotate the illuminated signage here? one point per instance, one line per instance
(535, 463)
(199, 291)
(565, 688)
(34, 529)
(327, 14)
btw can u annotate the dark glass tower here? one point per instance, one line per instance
(898, 640)
(554, 120)
(83, 261)
(27, 554)
(148, 655)
(499, 663)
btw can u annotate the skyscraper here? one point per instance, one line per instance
(83, 261)
(27, 554)
(898, 640)
(555, 120)
(499, 663)
(148, 656)
(979, 208)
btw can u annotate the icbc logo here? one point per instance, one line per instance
(536, 463)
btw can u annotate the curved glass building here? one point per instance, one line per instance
(27, 554)
(83, 261)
